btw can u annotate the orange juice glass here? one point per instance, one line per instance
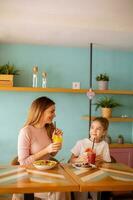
(57, 138)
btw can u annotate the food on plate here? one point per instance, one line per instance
(44, 164)
(84, 165)
(81, 162)
(81, 165)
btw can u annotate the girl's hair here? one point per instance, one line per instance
(103, 121)
(36, 111)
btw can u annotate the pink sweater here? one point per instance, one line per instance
(30, 141)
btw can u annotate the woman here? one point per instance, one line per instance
(35, 138)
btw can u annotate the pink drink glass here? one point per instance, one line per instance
(91, 157)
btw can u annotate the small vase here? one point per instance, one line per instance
(120, 140)
(106, 112)
(103, 85)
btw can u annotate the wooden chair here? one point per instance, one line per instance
(113, 160)
(15, 161)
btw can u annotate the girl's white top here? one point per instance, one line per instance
(100, 148)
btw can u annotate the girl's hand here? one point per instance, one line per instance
(53, 147)
(99, 160)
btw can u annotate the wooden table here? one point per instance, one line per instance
(65, 178)
(110, 177)
(14, 179)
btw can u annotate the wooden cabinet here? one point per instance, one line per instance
(123, 154)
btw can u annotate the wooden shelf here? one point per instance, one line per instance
(112, 119)
(125, 145)
(64, 90)
(39, 89)
(127, 92)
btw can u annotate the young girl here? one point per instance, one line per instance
(98, 131)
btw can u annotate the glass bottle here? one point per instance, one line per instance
(35, 72)
(44, 79)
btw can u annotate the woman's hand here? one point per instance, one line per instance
(53, 147)
(58, 132)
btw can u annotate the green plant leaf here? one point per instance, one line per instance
(106, 102)
(8, 69)
(102, 77)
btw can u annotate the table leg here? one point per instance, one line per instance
(99, 196)
(103, 195)
(29, 196)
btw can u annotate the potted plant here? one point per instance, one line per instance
(106, 104)
(103, 80)
(7, 73)
(120, 139)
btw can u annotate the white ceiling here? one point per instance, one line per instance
(73, 23)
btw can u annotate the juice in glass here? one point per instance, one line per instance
(57, 138)
(91, 156)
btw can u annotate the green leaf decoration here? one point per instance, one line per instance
(8, 69)
(102, 77)
(106, 102)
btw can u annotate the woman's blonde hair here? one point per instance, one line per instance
(36, 111)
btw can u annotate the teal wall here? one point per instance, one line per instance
(63, 66)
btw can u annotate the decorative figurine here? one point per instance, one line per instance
(35, 72)
(90, 94)
(44, 79)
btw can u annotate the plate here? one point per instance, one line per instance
(44, 164)
(81, 166)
